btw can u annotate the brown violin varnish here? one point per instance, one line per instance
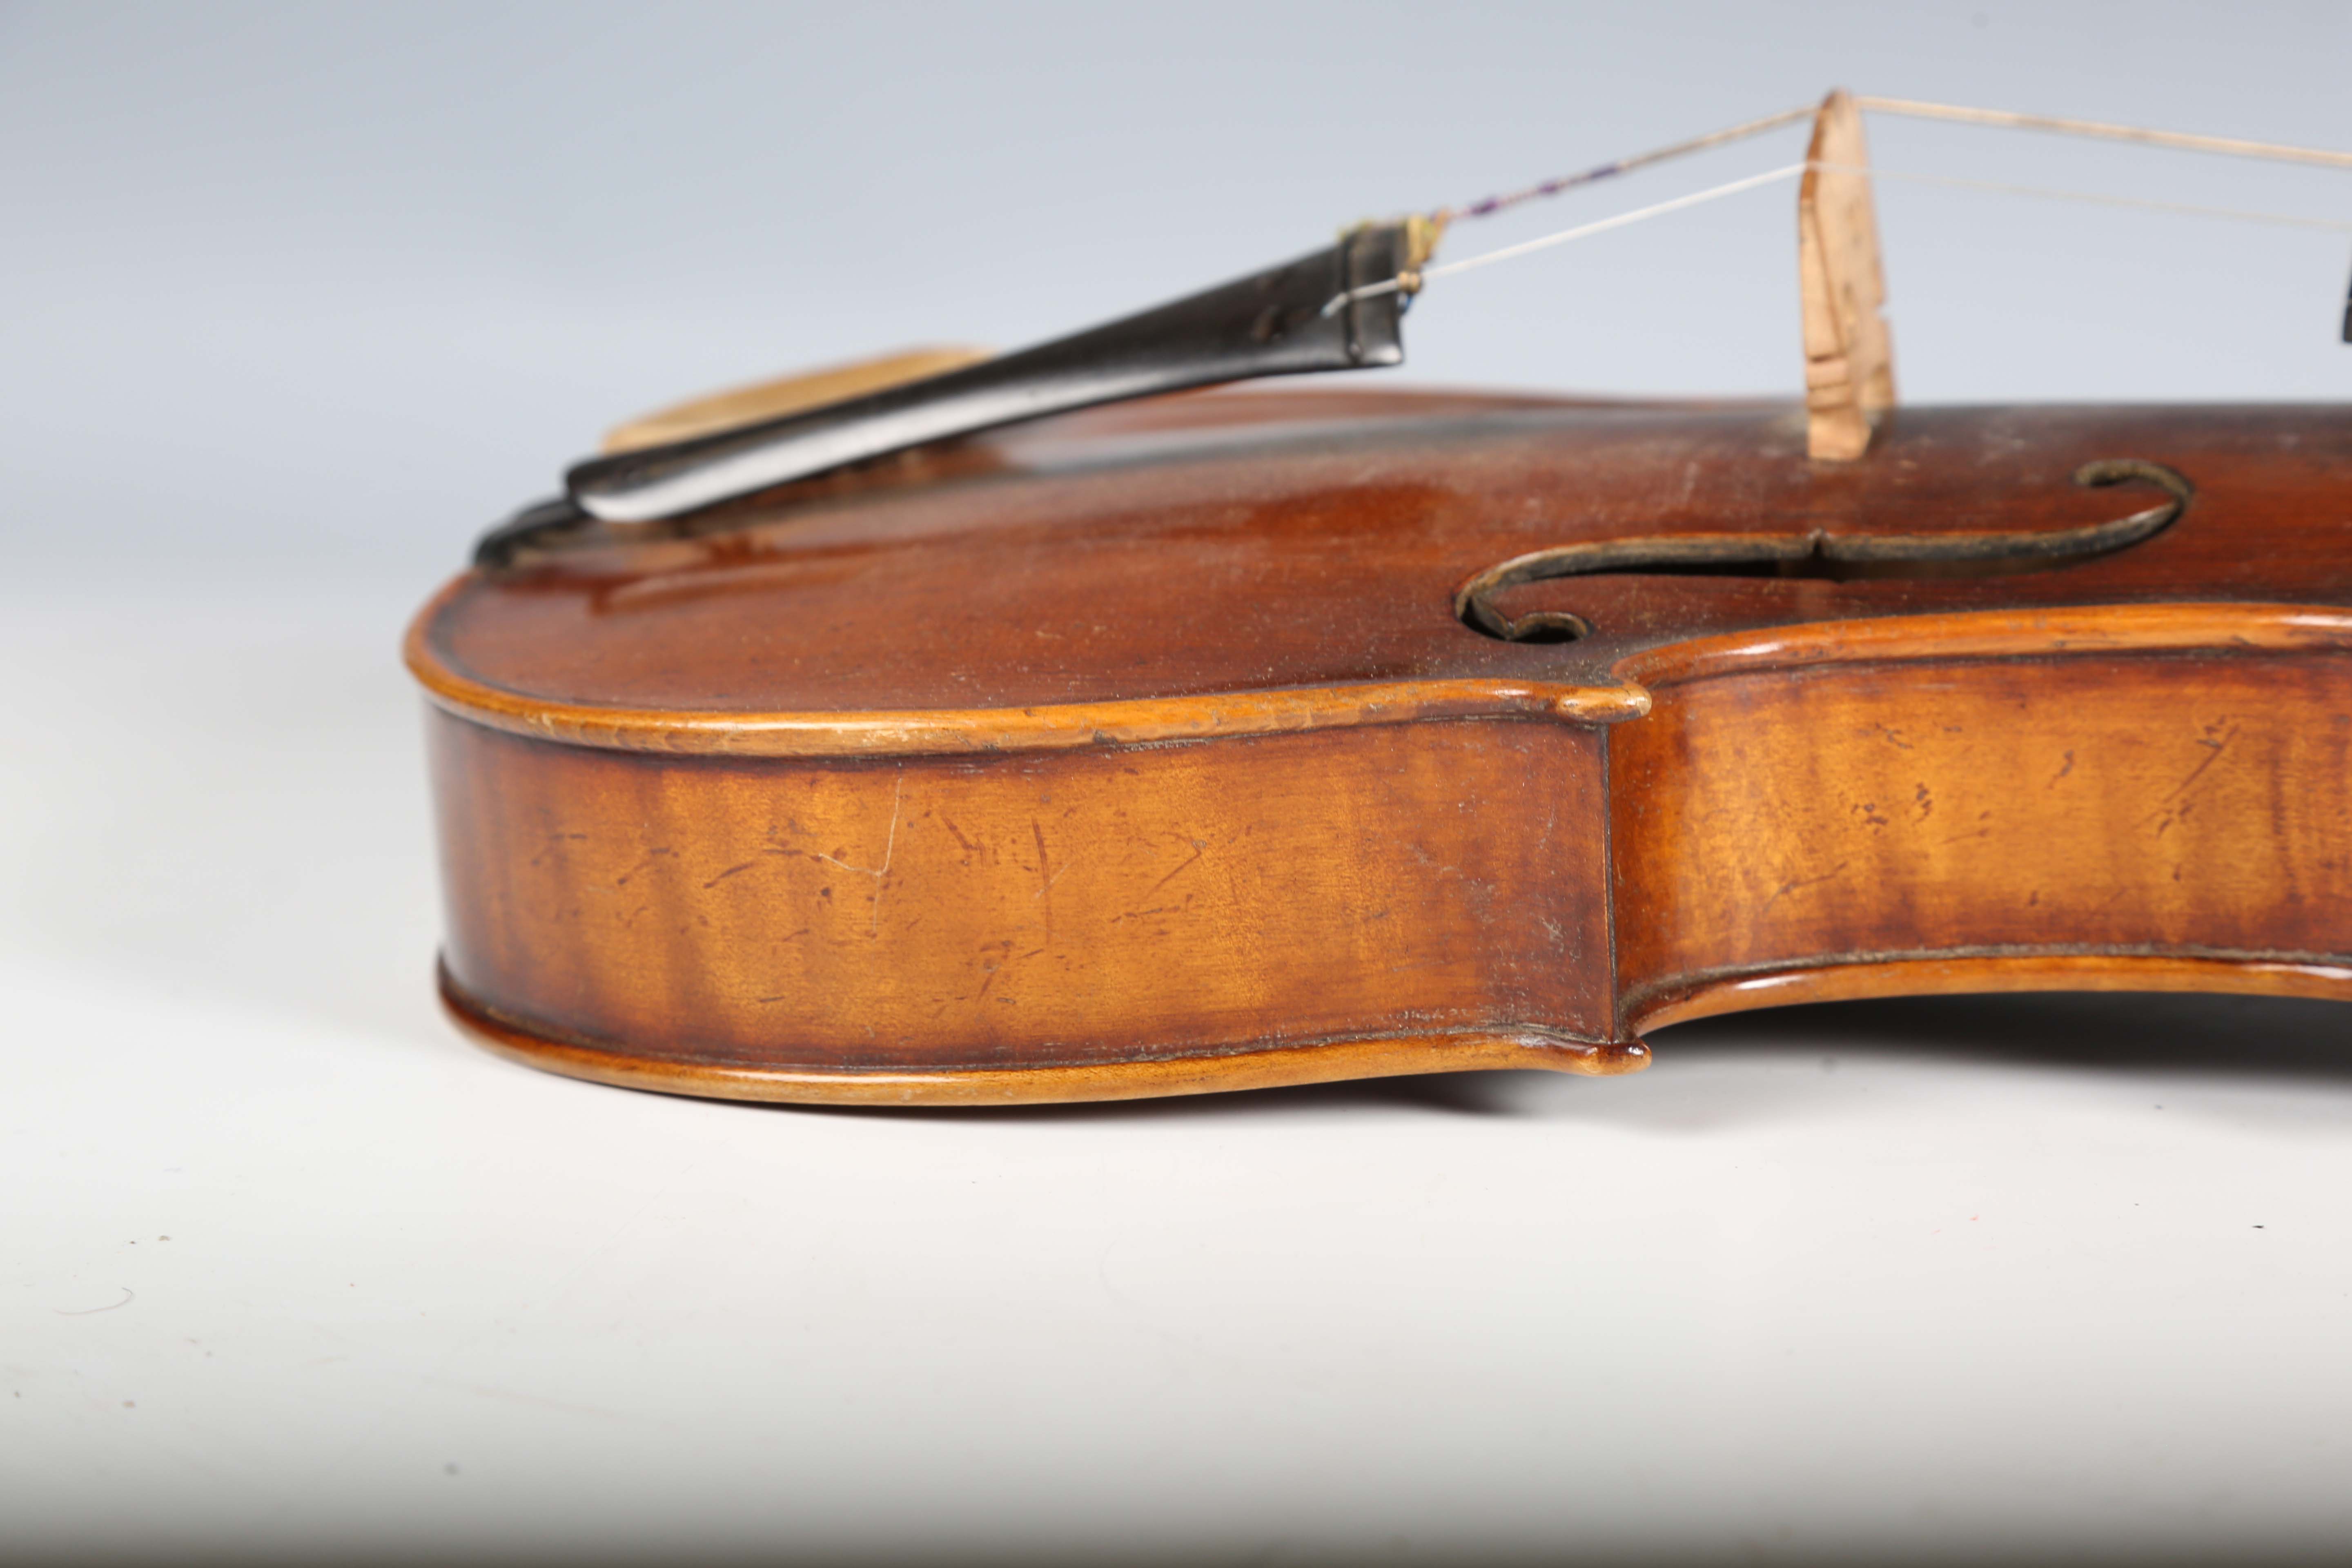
(1848, 356)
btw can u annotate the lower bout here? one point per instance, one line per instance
(1099, 923)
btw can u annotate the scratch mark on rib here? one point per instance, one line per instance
(650, 856)
(2213, 750)
(1198, 850)
(1046, 878)
(1794, 883)
(2173, 808)
(726, 873)
(889, 850)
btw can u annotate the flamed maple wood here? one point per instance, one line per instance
(1141, 752)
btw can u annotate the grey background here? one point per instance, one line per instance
(294, 300)
(339, 283)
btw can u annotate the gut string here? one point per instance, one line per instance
(2228, 146)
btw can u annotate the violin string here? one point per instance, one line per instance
(2232, 146)
(1487, 206)
(1346, 297)
(2184, 209)
(1788, 171)
(1621, 220)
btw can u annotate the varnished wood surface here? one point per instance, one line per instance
(1995, 974)
(1051, 909)
(1046, 727)
(1254, 541)
(2167, 807)
(1142, 1078)
(1143, 753)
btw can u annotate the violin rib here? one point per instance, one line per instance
(1845, 813)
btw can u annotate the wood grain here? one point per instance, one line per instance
(1036, 909)
(1262, 542)
(1143, 751)
(2163, 808)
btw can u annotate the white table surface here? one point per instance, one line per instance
(286, 1268)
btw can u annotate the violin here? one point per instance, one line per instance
(1071, 724)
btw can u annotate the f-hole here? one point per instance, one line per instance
(1839, 557)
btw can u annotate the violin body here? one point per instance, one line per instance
(1243, 738)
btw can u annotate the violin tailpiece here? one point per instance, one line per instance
(1335, 309)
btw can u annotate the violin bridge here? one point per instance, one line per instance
(1849, 353)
